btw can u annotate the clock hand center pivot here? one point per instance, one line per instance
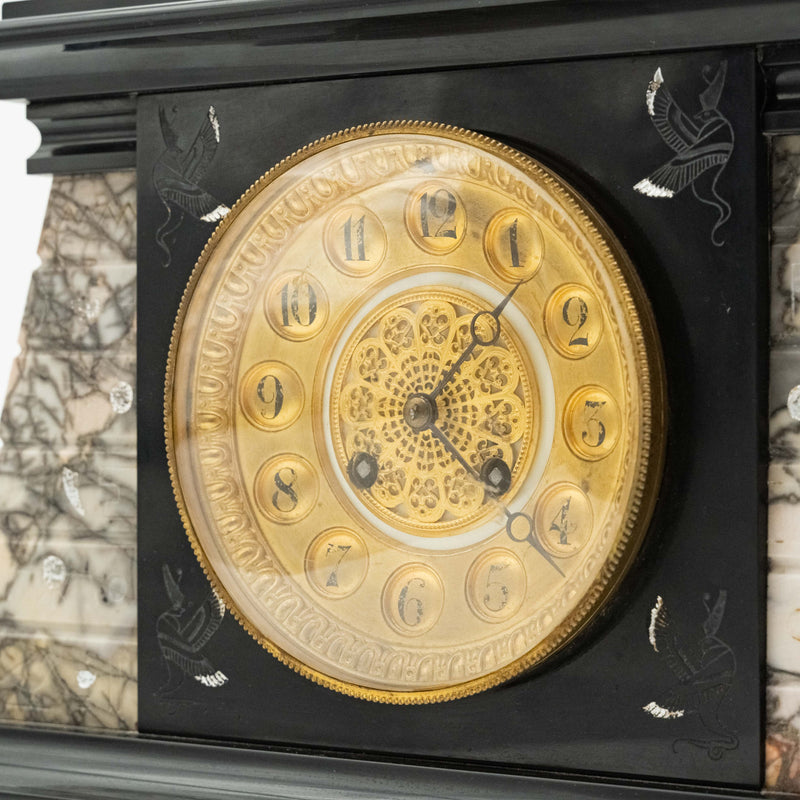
(419, 411)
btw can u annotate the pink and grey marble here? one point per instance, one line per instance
(782, 765)
(785, 316)
(73, 398)
(68, 470)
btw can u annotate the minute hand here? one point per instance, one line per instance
(453, 450)
(476, 339)
(511, 518)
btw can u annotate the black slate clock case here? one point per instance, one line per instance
(703, 555)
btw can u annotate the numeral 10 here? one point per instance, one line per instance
(291, 305)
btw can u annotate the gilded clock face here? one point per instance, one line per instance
(414, 412)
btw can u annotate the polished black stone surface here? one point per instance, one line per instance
(584, 714)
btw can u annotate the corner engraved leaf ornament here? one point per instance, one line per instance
(177, 175)
(704, 667)
(702, 143)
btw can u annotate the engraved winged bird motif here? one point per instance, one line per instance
(177, 175)
(183, 631)
(702, 144)
(704, 667)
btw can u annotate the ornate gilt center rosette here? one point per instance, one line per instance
(414, 412)
(403, 350)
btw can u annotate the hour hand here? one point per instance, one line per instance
(484, 330)
(495, 474)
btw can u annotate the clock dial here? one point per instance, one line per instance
(414, 412)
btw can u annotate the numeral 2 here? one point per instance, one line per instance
(579, 321)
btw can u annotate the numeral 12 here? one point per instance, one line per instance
(431, 211)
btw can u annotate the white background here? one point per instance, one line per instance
(23, 199)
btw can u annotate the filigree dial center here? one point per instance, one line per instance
(404, 393)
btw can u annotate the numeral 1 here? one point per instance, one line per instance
(512, 245)
(359, 237)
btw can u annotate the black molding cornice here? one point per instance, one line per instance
(82, 62)
(182, 45)
(781, 65)
(35, 763)
(84, 135)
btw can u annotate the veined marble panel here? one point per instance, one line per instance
(783, 538)
(785, 315)
(54, 680)
(784, 430)
(91, 219)
(88, 308)
(83, 589)
(68, 470)
(69, 493)
(782, 771)
(782, 763)
(71, 399)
